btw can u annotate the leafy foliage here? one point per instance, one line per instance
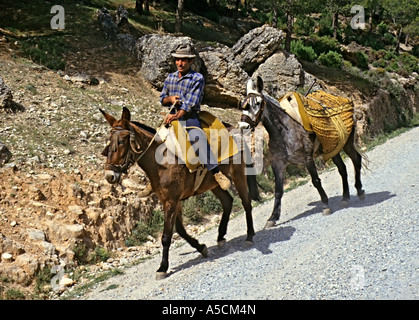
(303, 52)
(331, 59)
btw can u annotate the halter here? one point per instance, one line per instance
(129, 157)
(250, 98)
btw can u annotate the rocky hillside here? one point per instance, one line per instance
(55, 207)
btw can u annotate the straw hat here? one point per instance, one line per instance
(184, 51)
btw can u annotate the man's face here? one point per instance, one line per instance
(183, 65)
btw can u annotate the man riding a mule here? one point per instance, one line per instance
(184, 90)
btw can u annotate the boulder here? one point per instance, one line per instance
(155, 53)
(256, 46)
(282, 73)
(106, 24)
(225, 81)
(6, 96)
(5, 154)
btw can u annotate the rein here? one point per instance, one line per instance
(132, 151)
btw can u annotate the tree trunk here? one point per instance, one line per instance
(274, 16)
(335, 21)
(139, 6)
(179, 16)
(399, 37)
(236, 12)
(290, 24)
(147, 7)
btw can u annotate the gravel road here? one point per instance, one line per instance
(368, 250)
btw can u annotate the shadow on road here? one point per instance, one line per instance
(335, 204)
(262, 240)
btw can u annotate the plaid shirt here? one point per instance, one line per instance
(189, 88)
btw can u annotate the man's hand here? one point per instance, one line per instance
(171, 117)
(168, 101)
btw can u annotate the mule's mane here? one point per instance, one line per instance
(145, 127)
(272, 101)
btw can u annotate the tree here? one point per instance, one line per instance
(372, 7)
(179, 16)
(335, 7)
(404, 14)
(291, 8)
(139, 4)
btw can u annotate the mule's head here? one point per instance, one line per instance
(252, 105)
(117, 151)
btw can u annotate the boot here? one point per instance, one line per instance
(222, 180)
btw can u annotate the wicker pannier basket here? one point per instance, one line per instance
(331, 118)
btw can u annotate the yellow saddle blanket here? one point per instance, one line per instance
(329, 117)
(177, 142)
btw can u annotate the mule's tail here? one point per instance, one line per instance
(357, 143)
(365, 160)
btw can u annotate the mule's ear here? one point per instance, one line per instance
(250, 86)
(126, 115)
(108, 117)
(259, 84)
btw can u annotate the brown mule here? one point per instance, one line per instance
(132, 142)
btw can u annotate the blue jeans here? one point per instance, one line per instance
(198, 140)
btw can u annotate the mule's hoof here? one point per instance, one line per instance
(248, 243)
(345, 203)
(204, 251)
(326, 211)
(221, 244)
(161, 275)
(269, 224)
(361, 195)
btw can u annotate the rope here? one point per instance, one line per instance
(132, 134)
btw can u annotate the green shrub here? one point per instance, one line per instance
(195, 208)
(100, 254)
(304, 25)
(380, 63)
(361, 60)
(14, 294)
(145, 228)
(392, 67)
(303, 52)
(331, 59)
(48, 51)
(325, 26)
(368, 39)
(323, 44)
(382, 28)
(410, 62)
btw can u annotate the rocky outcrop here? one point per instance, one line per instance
(225, 81)
(6, 99)
(60, 215)
(116, 27)
(6, 96)
(256, 46)
(154, 52)
(5, 154)
(281, 73)
(107, 24)
(226, 70)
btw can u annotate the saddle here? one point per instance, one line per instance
(329, 117)
(176, 140)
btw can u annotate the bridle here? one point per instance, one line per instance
(131, 154)
(251, 99)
